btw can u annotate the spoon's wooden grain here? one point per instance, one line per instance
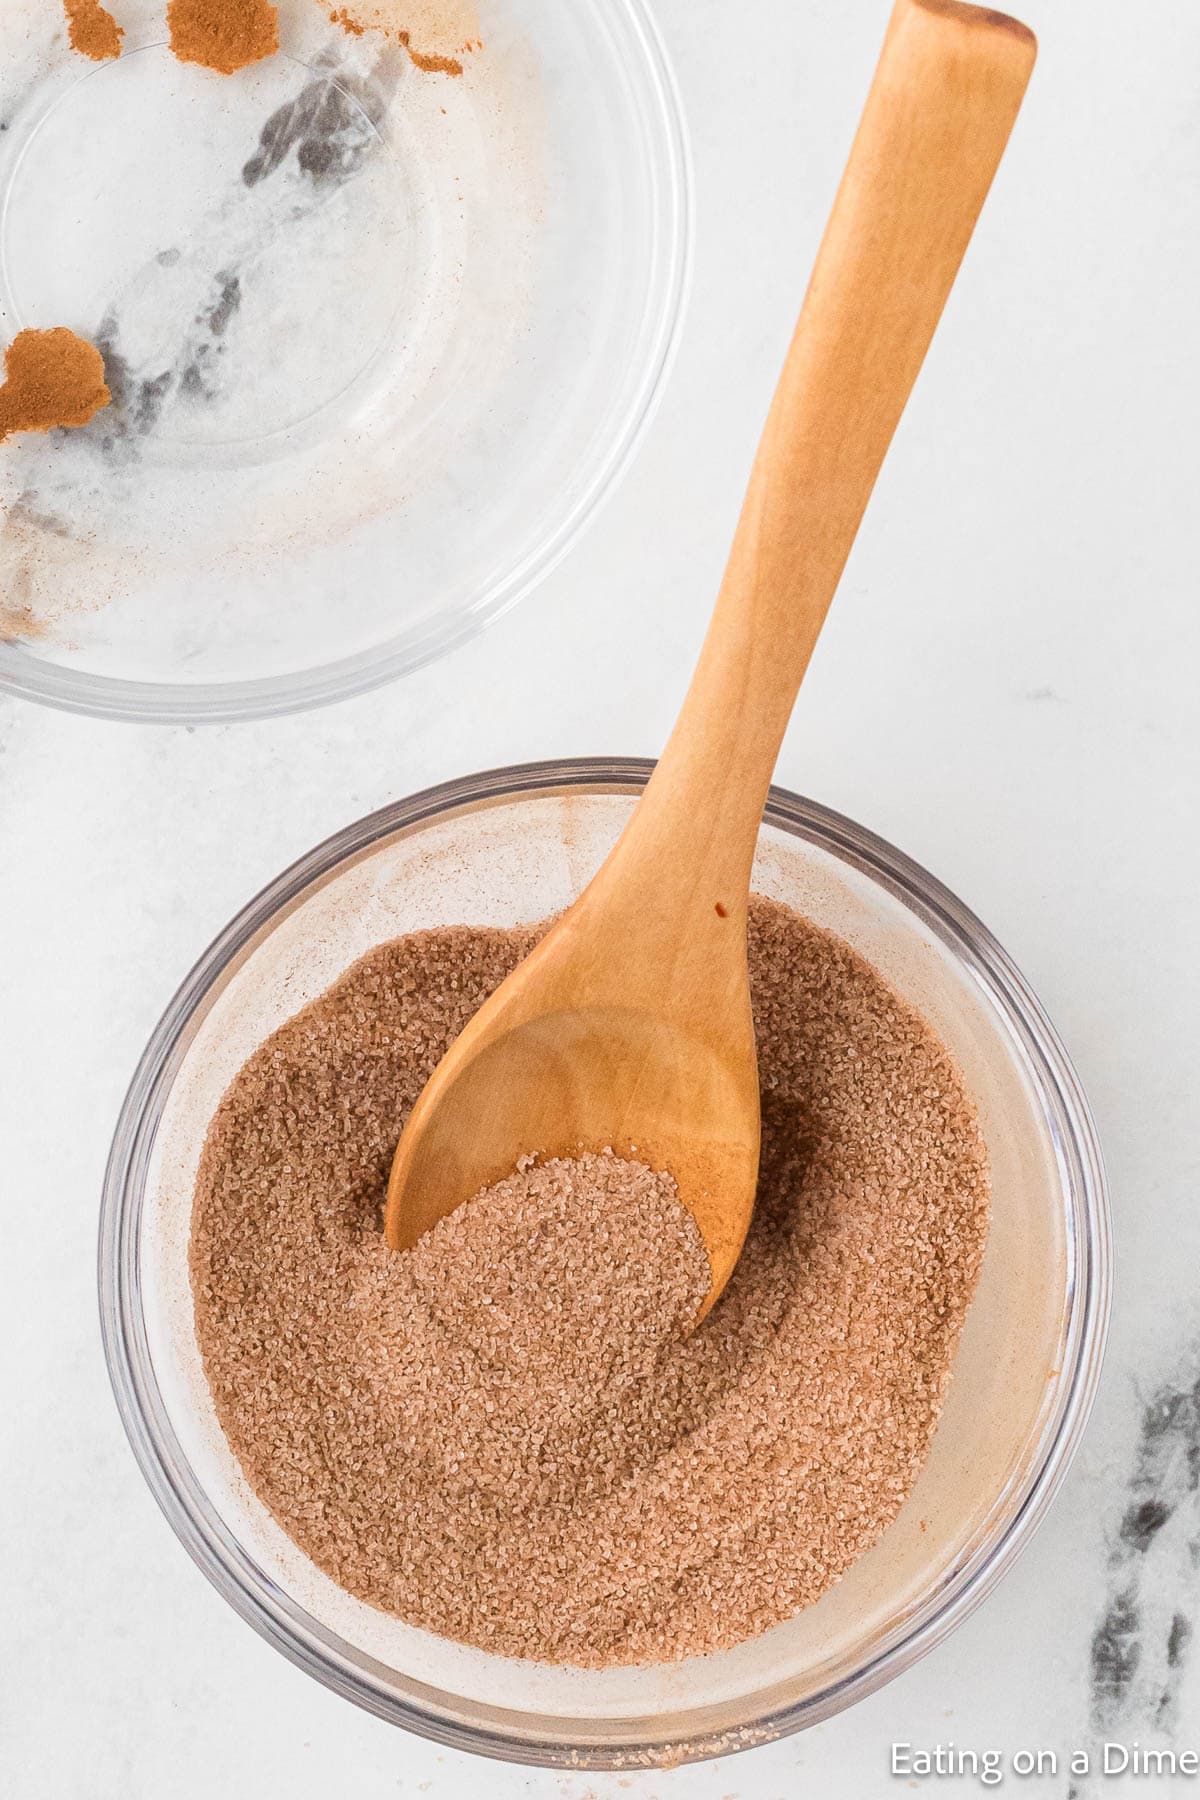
(629, 1026)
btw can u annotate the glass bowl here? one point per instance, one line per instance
(380, 338)
(516, 845)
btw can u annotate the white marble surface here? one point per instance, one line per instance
(1007, 689)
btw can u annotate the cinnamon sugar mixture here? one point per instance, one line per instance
(507, 1435)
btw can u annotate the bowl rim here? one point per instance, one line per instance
(670, 261)
(184, 1503)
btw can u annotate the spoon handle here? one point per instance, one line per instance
(942, 104)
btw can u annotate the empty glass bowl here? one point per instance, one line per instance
(379, 338)
(517, 845)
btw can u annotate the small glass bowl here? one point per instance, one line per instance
(516, 845)
(380, 340)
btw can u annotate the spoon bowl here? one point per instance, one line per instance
(671, 1096)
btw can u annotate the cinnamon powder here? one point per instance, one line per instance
(223, 35)
(93, 30)
(428, 62)
(53, 378)
(506, 1435)
(446, 30)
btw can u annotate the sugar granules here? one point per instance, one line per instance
(508, 1436)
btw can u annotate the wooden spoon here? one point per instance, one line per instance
(629, 1026)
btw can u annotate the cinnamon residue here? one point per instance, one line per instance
(54, 378)
(93, 31)
(224, 35)
(447, 31)
(428, 63)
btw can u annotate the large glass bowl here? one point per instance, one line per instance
(380, 338)
(516, 845)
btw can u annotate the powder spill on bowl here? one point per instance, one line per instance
(223, 35)
(53, 379)
(93, 30)
(505, 1436)
(436, 34)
